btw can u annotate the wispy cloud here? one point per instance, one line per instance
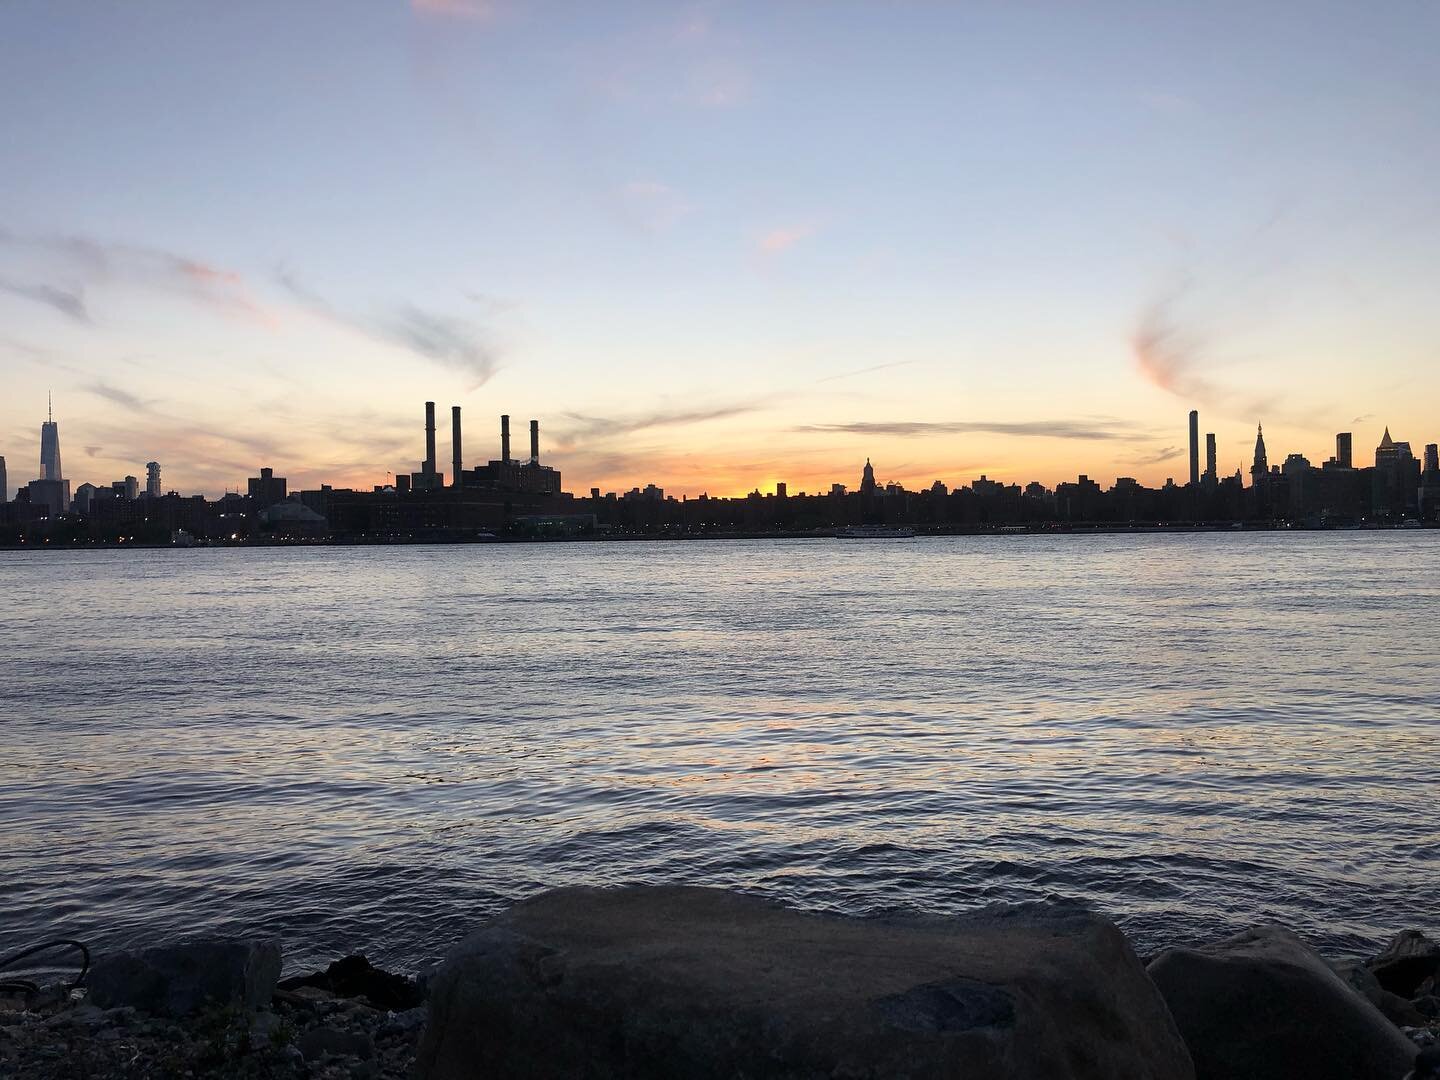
(116, 395)
(69, 302)
(1173, 354)
(93, 451)
(1168, 354)
(447, 340)
(1153, 458)
(783, 238)
(1118, 430)
(469, 10)
(866, 370)
(579, 428)
(105, 263)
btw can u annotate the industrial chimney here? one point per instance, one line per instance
(534, 442)
(429, 467)
(455, 443)
(505, 439)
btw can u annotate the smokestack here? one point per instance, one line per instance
(534, 442)
(455, 443)
(505, 439)
(429, 437)
(1194, 447)
(1210, 456)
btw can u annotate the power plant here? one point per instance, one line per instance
(504, 475)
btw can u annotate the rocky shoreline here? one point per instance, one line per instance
(651, 982)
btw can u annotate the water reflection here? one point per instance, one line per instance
(373, 748)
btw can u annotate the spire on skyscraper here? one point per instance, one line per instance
(1260, 467)
(50, 445)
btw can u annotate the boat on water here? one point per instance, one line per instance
(874, 532)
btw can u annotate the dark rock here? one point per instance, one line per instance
(668, 982)
(88, 1016)
(404, 1023)
(318, 1042)
(1362, 980)
(1264, 1006)
(264, 1026)
(1427, 1065)
(355, 977)
(177, 979)
(1407, 961)
(1427, 1006)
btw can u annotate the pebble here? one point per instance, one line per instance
(312, 1036)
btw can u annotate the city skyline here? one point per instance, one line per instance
(429, 475)
(715, 246)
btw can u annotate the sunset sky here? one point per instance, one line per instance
(713, 246)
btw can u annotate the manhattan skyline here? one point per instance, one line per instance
(715, 246)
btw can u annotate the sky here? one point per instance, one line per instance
(713, 246)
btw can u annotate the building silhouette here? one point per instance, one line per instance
(427, 479)
(456, 458)
(1194, 448)
(267, 489)
(522, 497)
(1259, 468)
(4, 482)
(50, 447)
(1396, 482)
(51, 490)
(527, 477)
(1342, 451)
(1428, 497)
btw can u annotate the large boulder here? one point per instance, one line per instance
(1406, 963)
(667, 982)
(179, 978)
(1265, 1006)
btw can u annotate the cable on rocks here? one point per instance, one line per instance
(25, 985)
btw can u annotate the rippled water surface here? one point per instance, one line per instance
(375, 748)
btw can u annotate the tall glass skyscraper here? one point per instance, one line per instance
(50, 449)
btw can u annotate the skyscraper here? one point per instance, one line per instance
(1210, 473)
(1343, 456)
(1428, 503)
(1395, 482)
(457, 478)
(4, 483)
(50, 448)
(1194, 447)
(152, 479)
(1260, 468)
